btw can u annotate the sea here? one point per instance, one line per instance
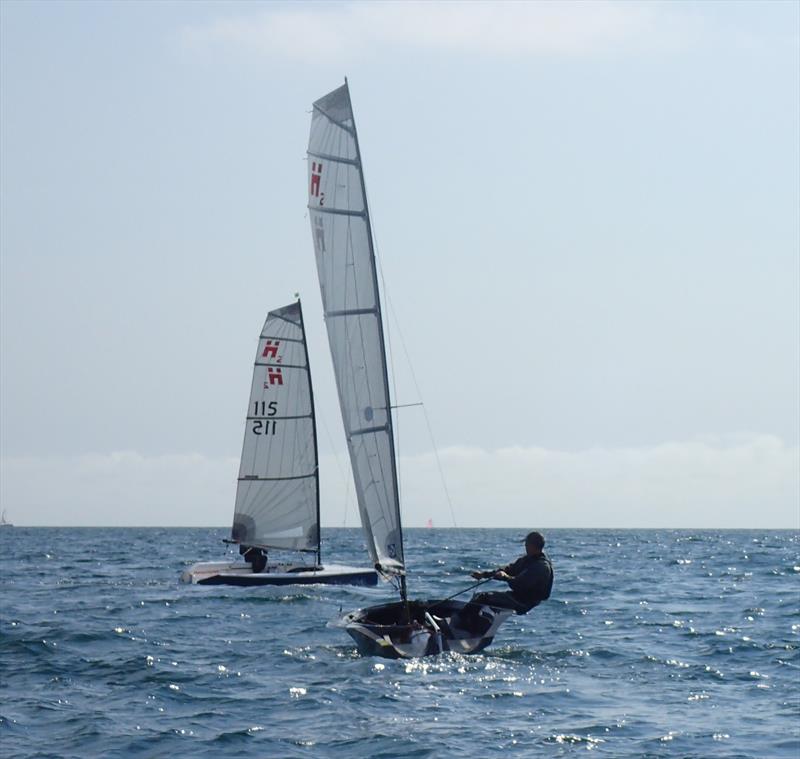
(655, 643)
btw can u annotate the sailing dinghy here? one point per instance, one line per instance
(277, 496)
(343, 245)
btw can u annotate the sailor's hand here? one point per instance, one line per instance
(501, 575)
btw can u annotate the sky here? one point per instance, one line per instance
(586, 217)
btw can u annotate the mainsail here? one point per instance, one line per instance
(277, 498)
(342, 238)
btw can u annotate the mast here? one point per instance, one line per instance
(403, 589)
(314, 429)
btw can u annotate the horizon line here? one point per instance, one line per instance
(410, 527)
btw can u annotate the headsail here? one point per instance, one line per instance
(277, 498)
(342, 238)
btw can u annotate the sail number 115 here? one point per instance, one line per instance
(264, 426)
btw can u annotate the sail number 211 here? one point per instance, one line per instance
(264, 426)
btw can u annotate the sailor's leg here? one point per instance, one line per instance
(500, 600)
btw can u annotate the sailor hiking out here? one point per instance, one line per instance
(530, 578)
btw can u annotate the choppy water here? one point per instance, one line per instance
(655, 643)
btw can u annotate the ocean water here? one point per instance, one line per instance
(655, 643)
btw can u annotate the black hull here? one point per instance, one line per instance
(367, 579)
(242, 575)
(423, 628)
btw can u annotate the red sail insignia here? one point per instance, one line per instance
(316, 175)
(271, 349)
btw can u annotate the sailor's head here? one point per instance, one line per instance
(534, 543)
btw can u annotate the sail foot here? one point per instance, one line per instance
(390, 568)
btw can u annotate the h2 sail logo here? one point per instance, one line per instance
(271, 349)
(274, 373)
(316, 178)
(274, 376)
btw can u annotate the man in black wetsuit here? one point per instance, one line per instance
(256, 557)
(530, 578)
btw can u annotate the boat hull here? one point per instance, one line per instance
(238, 573)
(435, 626)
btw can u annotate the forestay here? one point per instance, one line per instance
(346, 265)
(277, 498)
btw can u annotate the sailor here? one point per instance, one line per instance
(254, 556)
(530, 578)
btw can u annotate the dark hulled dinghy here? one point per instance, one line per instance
(277, 496)
(343, 246)
(423, 628)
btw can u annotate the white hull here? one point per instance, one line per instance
(240, 573)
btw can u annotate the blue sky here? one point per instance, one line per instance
(586, 214)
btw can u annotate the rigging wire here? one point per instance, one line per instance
(393, 374)
(460, 592)
(393, 313)
(345, 480)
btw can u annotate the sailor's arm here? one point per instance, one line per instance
(508, 572)
(485, 575)
(500, 573)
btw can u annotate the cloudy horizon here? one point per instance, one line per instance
(743, 483)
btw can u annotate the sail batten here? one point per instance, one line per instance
(277, 496)
(369, 430)
(251, 477)
(337, 159)
(278, 418)
(352, 312)
(340, 229)
(282, 366)
(280, 337)
(341, 212)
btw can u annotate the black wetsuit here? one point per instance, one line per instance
(255, 557)
(531, 582)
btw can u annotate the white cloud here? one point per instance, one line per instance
(325, 33)
(118, 489)
(753, 482)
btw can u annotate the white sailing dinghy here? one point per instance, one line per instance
(277, 496)
(343, 245)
